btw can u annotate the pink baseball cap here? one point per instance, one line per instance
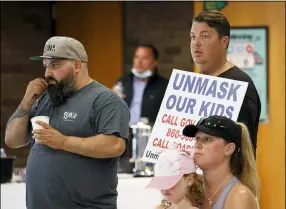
(171, 166)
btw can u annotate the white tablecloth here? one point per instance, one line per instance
(131, 194)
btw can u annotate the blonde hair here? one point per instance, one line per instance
(243, 164)
(195, 192)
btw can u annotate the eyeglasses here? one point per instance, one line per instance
(201, 121)
(217, 124)
(212, 124)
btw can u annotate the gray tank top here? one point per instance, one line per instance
(219, 204)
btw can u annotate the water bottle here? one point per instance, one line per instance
(144, 120)
(118, 89)
(3, 154)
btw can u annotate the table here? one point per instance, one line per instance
(132, 194)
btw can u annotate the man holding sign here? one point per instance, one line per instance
(210, 35)
(221, 89)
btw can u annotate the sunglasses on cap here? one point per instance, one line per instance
(218, 126)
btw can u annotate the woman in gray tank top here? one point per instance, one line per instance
(224, 152)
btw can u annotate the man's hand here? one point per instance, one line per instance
(99, 146)
(49, 136)
(34, 90)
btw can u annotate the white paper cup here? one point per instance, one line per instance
(39, 118)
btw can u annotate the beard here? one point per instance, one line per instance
(61, 90)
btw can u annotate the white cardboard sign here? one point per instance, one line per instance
(188, 97)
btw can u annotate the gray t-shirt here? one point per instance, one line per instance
(57, 179)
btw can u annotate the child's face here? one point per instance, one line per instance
(178, 192)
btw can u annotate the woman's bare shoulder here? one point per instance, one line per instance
(241, 188)
(241, 197)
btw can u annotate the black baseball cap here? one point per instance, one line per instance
(219, 126)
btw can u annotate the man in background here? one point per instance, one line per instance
(143, 90)
(143, 87)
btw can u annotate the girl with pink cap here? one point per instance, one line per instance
(176, 178)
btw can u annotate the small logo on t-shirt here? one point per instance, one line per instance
(70, 116)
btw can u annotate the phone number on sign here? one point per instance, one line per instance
(174, 133)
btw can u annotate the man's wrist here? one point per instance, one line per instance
(24, 109)
(72, 144)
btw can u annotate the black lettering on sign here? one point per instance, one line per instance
(151, 155)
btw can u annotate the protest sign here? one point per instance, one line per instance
(189, 97)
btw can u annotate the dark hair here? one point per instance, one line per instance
(215, 20)
(155, 52)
